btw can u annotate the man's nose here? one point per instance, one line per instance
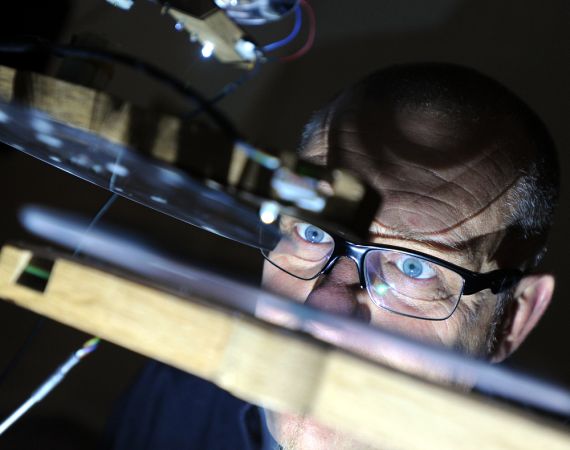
(338, 291)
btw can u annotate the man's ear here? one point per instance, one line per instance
(532, 297)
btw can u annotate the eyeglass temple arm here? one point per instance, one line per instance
(496, 280)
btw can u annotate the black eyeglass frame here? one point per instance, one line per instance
(497, 281)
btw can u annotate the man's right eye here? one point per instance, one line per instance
(312, 234)
(415, 268)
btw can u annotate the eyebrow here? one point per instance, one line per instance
(457, 247)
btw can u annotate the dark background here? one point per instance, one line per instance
(522, 44)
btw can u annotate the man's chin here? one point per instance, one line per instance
(304, 433)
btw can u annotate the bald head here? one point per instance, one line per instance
(445, 145)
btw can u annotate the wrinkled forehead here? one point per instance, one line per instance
(435, 172)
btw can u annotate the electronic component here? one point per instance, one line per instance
(256, 12)
(220, 37)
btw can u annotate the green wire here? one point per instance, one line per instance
(40, 273)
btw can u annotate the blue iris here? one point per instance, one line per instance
(314, 234)
(412, 267)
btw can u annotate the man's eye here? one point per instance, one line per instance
(312, 234)
(415, 268)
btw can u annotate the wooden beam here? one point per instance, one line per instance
(276, 368)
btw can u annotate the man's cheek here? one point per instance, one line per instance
(275, 280)
(279, 282)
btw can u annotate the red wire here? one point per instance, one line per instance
(310, 37)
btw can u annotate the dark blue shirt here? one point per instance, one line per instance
(167, 409)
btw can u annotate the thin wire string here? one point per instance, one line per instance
(96, 219)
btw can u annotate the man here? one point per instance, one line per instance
(469, 178)
(468, 174)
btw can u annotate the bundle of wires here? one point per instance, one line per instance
(295, 32)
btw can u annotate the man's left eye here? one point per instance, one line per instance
(415, 268)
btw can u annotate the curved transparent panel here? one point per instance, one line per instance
(125, 172)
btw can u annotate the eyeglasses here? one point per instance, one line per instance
(400, 280)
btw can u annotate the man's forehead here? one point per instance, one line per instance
(459, 245)
(434, 174)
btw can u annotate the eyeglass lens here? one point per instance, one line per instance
(301, 249)
(411, 285)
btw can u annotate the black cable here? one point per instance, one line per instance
(228, 89)
(233, 85)
(37, 44)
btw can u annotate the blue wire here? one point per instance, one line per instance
(290, 37)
